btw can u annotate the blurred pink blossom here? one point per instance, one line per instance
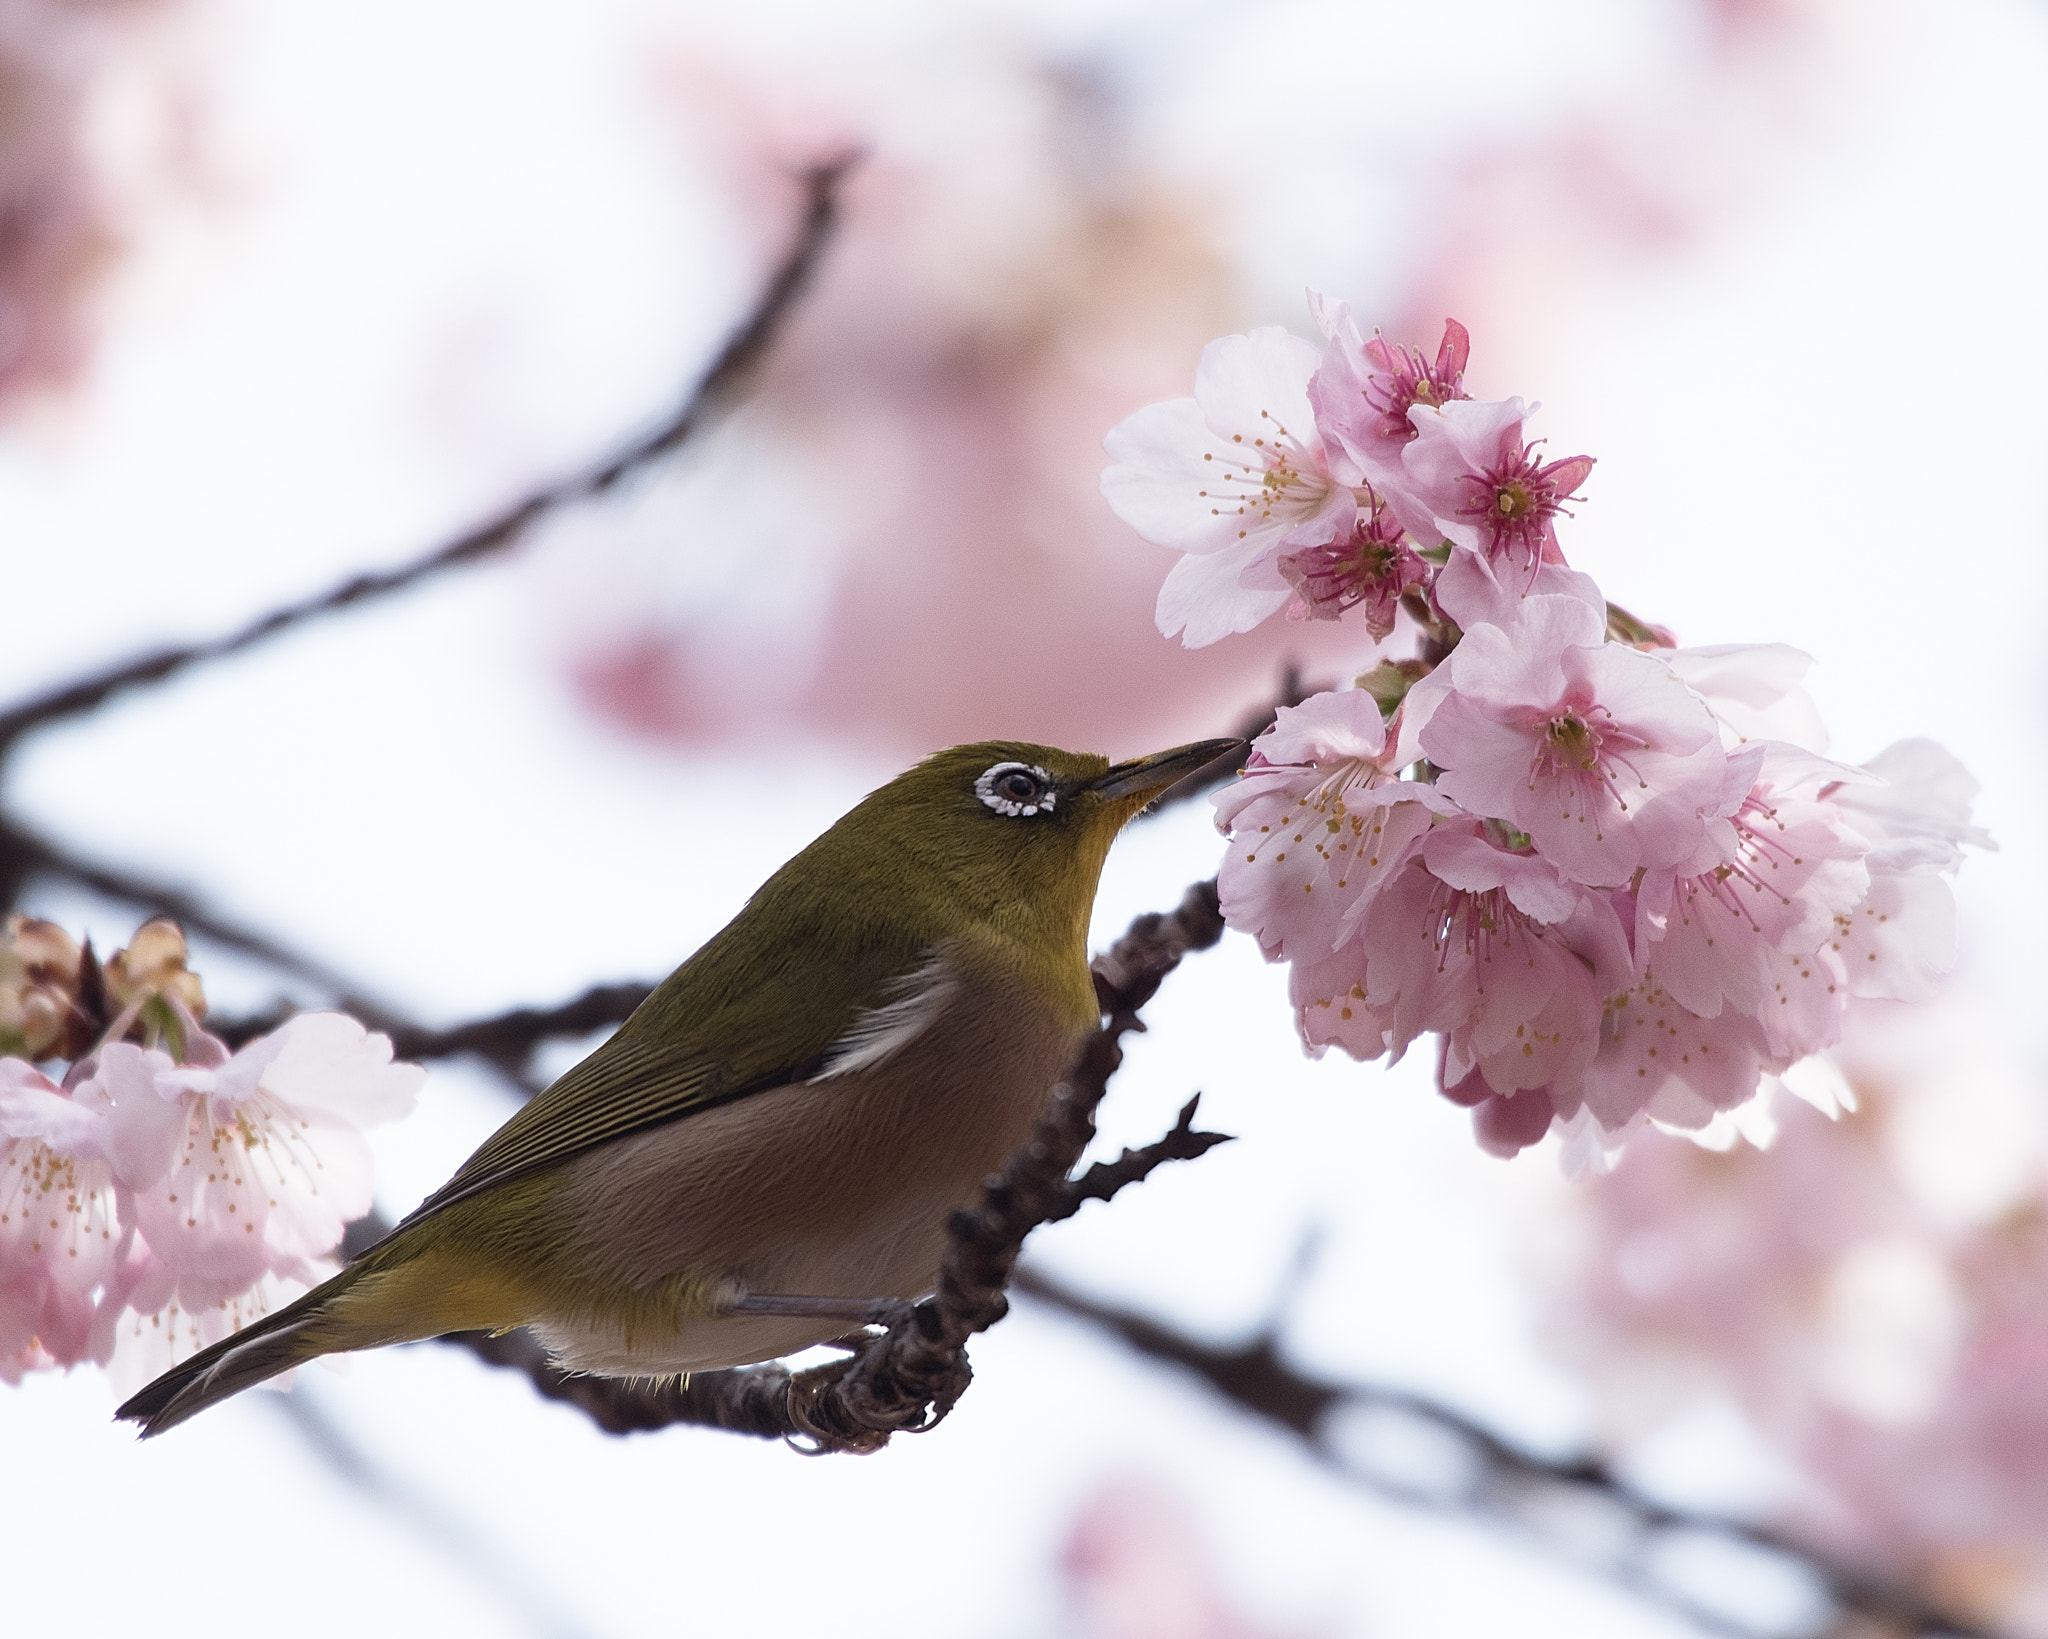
(1889, 1348)
(1136, 1568)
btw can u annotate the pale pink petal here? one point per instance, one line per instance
(1900, 942)
(329, 1062)
(1470, 591)
(145, 1124)
(1164, 458)
(1755, 690)
(1204, 599)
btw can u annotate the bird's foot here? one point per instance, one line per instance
(861, 1311)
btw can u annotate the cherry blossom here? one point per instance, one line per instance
(1754, 690)
(167, 1191)
(1914, 813)
(1620, 881)
(1479, 483)
(251, 1163)
(1470, 592)
(1230, 477)
(1369, 568)
(1593, 749)
(1486, 944)
(1364, 389)
(59, 1236)
(1772, 875)
(1320, 818)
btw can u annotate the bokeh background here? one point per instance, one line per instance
(295, 288)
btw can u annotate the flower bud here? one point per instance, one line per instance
(39, 982)
(154, 965)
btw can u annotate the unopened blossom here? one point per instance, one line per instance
(152, 966)
(1481, 484)
(59, 1232)
(1365, 387)
(1232, 477)
(40, 973)
(1504, 1124)
(1368, 569)
(1592, 749)
(1320, 818)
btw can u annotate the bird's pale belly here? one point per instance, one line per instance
(818, 1189)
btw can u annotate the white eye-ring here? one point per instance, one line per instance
(1016, 789)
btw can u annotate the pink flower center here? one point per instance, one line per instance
(1372, 565)
(1515, 500)
(1407, 379)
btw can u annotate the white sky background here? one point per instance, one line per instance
(457, 247)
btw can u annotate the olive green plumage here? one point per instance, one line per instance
(793, 1111)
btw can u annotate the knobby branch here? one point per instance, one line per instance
(907, 1378)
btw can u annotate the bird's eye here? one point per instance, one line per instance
(1016, 789)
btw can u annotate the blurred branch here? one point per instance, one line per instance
(1425, 1453)
(742, 351)
(506, 1038)
(23, 854)
(910, 1376)
(503, 1038)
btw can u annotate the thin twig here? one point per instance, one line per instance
(734, 362)
(30, 854)
(910, 1376)
(1491, 1475)
(503, 1038)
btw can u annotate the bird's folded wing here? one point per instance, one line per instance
(644, 1079)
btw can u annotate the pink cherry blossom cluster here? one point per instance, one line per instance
(1616, 879)
(161, 1191)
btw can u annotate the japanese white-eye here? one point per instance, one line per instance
(777, 1134)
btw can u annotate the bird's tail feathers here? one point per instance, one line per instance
(297, 1333)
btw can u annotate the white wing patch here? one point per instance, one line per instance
(878, 1033)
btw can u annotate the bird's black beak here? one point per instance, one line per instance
(1149, 777)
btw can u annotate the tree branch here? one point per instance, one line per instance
(1491, 1476)
(910, 1376)
(742, 351)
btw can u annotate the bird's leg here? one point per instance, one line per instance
(861, 1311)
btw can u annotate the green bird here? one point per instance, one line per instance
(766, 1152)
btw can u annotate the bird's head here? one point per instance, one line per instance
(1008, 832)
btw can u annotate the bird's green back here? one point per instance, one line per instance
(921, 863)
